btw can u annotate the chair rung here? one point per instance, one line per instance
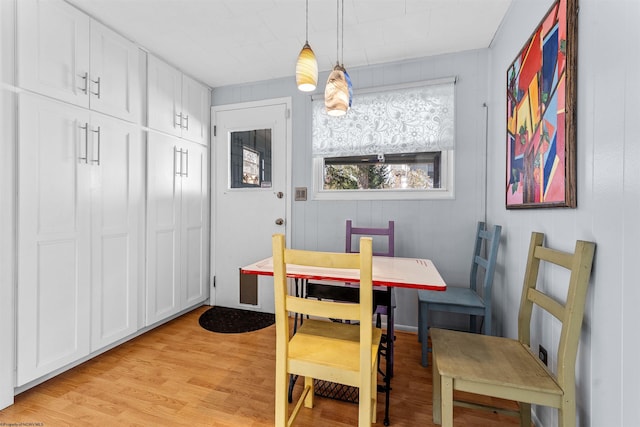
(487, 408)
(294, 414)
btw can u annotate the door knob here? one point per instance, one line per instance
(279, 194)
(279, 221)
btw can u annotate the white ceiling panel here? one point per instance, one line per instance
(226, 42)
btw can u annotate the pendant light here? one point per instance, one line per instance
(338, 92)
(307, 65)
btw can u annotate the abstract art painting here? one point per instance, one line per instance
(541, 103)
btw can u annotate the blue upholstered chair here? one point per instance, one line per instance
(474, 300)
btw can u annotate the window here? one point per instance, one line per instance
(394, 143)
(250, 159)
(416, 171)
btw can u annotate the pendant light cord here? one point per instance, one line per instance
(342, 52)
(307, 32)
(337, 32)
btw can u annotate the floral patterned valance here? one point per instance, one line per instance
(400, 120)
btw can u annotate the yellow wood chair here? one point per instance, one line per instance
(337, 352)
(508, 368)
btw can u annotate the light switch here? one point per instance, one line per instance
(301, 194)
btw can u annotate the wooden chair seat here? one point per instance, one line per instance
(330, 345)
(504, 365)
(454, 298)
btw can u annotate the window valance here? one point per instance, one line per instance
(385, 121)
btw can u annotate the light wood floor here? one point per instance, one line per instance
(182, 375)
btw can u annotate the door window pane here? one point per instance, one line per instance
(250, 159)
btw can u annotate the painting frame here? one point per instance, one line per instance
(541, 99)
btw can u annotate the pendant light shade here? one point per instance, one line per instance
(349, 86)
(307, 65)
(336, 93)
(307, 69)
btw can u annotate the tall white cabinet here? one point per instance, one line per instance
(117, 228)
(54, 256)
(177, 225)
(80, 206)
(177, 191)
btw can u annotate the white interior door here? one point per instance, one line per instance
(250, 169)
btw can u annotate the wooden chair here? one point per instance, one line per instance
(508, 368)
(465, 300)
(337, 352)
(383, 298)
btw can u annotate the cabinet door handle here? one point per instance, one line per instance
(179, 121)
(86, 144)
(86, 82)
(186, 155)
(176, 162)
(96, 160)
(97, 82)
(186, 119)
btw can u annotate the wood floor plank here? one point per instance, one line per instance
(182, 375)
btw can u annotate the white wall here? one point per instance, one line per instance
(441, 230)
(6, 206)
(608, 161)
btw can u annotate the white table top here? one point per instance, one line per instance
(387, 271)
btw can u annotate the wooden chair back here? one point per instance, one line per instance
(334, 361)
(570, 313)
(360, 261)
(389, 231)
(490, 241)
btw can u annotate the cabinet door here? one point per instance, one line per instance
(194, 224)
(163, 227)
(195, 110)
(117, 204)
(53, 50)
(53, 237)
(114, 82)
(164, 88)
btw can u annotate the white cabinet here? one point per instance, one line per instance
(114, 83)
(177, 212)
(117, 228)
(80, 206)
(64, 54)
(178, 104)
(53, 238)
(196, 109)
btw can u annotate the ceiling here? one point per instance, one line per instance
(227, 42)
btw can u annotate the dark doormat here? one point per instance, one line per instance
(233, 321)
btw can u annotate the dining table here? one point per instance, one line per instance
(397, 272)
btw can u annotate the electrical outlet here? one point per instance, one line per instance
(542, 354)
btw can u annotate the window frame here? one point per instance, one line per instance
(445, 192)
